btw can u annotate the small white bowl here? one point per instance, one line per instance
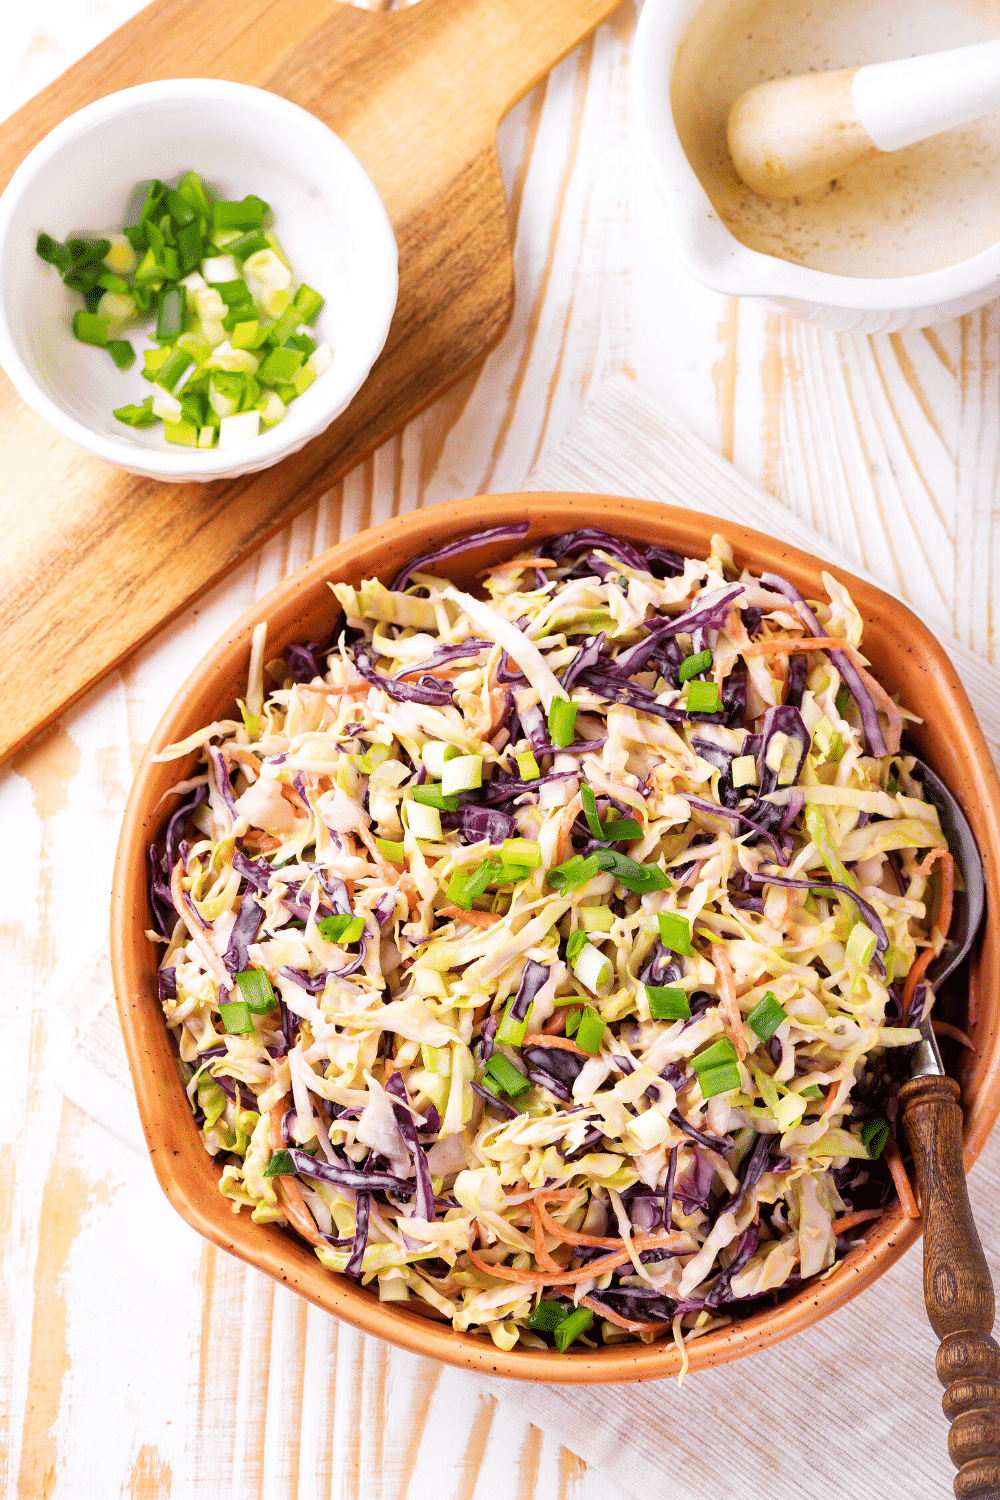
(327, 214)
(717, 259)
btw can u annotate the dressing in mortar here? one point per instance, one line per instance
(919, 209)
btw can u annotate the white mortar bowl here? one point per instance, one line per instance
(327, 214)
(717, 259)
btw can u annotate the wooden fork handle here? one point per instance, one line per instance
(958, 1290)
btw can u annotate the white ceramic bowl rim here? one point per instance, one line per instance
(714, 255)
(295, 428)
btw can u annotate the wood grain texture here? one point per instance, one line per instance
(958, 1290)
(89, 552)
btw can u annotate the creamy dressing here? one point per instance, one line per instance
(919, 209)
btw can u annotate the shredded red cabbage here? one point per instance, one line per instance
(511, 533)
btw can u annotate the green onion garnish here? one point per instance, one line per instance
(589, 804)
(716, 1069)
(703, 698)
(668, 1003)
(614, 829)
(511, 1033)
(570, 1328)
(573, 1021)
(522, 852)
(247, 214)
(692, 665)
(306, 304)
(562, 722)
(546, 1317)
(766, 1016)
(394, 853)
(171, 310)
(138, 416)
(90, 329)
(510, 1079)
(590, 1031)
(842, 699)
(575, 944)
(431, 795)
(633, 876)
(463, 887)
(573, 873)
(675, 932)
(861, 944)
(54, 252)
(280, 1165)
(236, 1017)
(255, 987)
(121, 352)
(811, 1091)
(874, 1134)
(527, 766)
(341, 928)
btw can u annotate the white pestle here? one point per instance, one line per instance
(793, 135)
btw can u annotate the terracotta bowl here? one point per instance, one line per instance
(906, 659)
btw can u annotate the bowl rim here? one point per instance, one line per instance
(175, 463)
(186, 1172)
(735, 268)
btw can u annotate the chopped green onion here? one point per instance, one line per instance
(55, 253)
(589, 804)
(184, 432)
(431, 795)
(245, 245)
(675, 932)
(138, 416)
(594, 970)
(180, 210)
(766, 1016)
(394, 853)
(190, 247)
(491, 1085)
(280, 1165)
(617, 829)
(547, 1316)
(171, 311)
(811, 1091)
(83, 278)
(861, 944)
(246, 335)
(156, 197)
(573, 1021)
(307, 304)
(874, 1134)
(590, 1031)
(236, 1017)
(192, 190)
(527, 766)
(84, 252)
(510, 1079)
(423, 822)
(703, 698)
(175, 371)
(570, 1328)
(464, 773)
(562, 722)
(341, 928)
(716, 1069)
(247, 214)
(301, 341)
(692, 665)
(255, 987)
(842, 699)
(668, 1003)
(633, 876)
(522, 852)
(511, 1033)
(90, 329)
(573, 873)
(597, 918)
(575, 944)
(122, 353)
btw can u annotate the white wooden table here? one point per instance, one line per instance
(137, 1360)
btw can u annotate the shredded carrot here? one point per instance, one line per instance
(944, 1028)
(851, 1221)
(474, 918)
(903, 1189)
(792, 648)
(612, 1317)
(572, 1236)
(943, 919)
(728, 1003)
(539, 1039)
(914, 977)
(264, 843)
(831, 1094)
(595, 1268)
(542, 1256)
(292, 1202)
(556, 1021)
(481, 1012)
(244, 756)
(185, 910)
(567, 818)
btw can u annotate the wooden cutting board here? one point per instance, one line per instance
(94, 560)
